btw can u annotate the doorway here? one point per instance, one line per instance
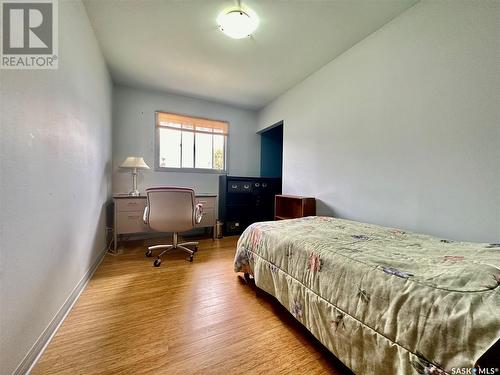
(271, 151)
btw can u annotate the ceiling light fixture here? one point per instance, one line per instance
(238, 23)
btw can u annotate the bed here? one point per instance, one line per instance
(383, 300)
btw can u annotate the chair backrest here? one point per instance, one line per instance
(170, 209)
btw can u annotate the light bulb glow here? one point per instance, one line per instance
(238, 24)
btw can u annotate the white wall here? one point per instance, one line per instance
(404, 128)
(55, 169)
(134, 135)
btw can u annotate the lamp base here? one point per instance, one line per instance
(134, 193)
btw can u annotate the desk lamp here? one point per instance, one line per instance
(134, 163)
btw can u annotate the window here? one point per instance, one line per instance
(191, 143)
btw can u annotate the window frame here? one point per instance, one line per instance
(180, 169)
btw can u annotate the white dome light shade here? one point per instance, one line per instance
(237, 24)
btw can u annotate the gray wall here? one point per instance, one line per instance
(55, 169)
(404, 128)
(134, 135)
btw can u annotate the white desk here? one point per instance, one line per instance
(128, 213)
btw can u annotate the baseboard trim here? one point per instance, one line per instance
(44, 339)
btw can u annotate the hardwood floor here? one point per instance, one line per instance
(181, 318)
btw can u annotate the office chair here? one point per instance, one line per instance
(172, 209)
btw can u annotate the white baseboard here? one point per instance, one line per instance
(43, 341)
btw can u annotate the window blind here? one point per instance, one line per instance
(188, 123)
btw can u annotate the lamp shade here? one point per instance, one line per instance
(134, 162)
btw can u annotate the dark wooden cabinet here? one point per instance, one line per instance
(246, 200)
(292, 207)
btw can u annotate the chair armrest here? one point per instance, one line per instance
(145, 215)
(198, 213)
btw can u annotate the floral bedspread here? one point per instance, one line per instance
(384, 301)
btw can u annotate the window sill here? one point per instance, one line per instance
(191, 170)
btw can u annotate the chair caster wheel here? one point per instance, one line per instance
(191, 258)
(157, 263)
(149, 253)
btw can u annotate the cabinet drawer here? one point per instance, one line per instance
(130, 204)
(208, 219)
(207, 202)
(130, 222)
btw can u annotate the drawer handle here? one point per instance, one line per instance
(130, 203)
(202, 201)
(133, 216)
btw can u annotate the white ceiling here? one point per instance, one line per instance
(175, 46)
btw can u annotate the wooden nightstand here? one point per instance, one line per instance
(293, 206)
(129, 210)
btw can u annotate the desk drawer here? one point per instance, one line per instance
(207, 202)
(208, 219)
(130, 204)
(130, 222)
